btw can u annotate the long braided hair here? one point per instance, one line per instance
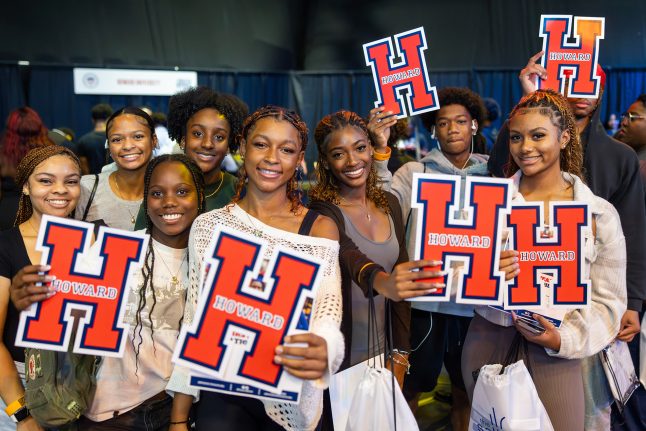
(149, 262)
(25, 168)
(294, 192)
(557, 108)
(327, 186)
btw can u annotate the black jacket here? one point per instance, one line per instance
(611, 171)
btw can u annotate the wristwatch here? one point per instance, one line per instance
(20, 415)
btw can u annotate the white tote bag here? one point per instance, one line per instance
(378, 404)
(507, 401)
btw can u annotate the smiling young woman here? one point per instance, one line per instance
(131, 138)
(273, 144)
(49, 177)
(546, 161)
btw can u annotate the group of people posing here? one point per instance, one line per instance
(359, 223)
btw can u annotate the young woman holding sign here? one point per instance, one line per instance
(115, 197)
(173, 197)
(546, 162)
(273, 145)
(49, 177)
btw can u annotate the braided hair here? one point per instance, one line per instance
(182, 106)
(294, 192)
(557, 108)
(327, 186)
(26, 167)
(149, 262)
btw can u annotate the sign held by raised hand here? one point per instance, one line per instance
(392, 77)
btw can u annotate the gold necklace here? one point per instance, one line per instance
(257, 232)
(217, 189)
(174, 281)
(116, 183)
(363, 207)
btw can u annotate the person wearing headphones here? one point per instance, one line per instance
(438, 329)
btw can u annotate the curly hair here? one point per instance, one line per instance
(24, 131)
(294, 191)
(149, 261)
(557, 108)
(182, 106)
(26, 167)
(327, 186)
(457, 96)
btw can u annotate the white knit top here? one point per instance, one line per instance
(326, 314)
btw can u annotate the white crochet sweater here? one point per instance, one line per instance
(326, 315)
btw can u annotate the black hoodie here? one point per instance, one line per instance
(611, 172)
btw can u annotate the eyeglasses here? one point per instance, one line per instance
(632, 117)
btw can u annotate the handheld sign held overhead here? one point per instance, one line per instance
(571, 66)
(392, 77)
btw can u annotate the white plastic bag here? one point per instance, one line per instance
(642, 352)
(372, 404)
(507, 401)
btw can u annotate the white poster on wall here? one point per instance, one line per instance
(132, 82)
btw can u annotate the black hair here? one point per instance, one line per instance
(132, 110)
(182, 106)
(471, 101)
(149, 261)
(102, 111)
(642, 99)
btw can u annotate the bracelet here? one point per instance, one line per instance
(361, 271)
(15, 406)
(382, 156)
(401, 353)
(179, 422)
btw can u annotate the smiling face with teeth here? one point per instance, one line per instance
(130, 142)
(535, 143)
(54, 187)
(172, 203)
(272, 151)
(207, 141)
(349, 157)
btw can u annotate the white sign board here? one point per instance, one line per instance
(132, 82)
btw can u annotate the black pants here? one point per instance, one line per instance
(217, 411)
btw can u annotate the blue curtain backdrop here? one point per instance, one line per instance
(50, 90)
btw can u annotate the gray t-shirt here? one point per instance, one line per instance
(106, 205)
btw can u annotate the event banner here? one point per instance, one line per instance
(91, 278)
(131, 82)
(555, 250)
(250, 300)
(467, 239)
(571, 66)
(400, 74)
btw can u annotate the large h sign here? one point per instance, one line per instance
(94, 279)
(577, 60)
(410, 73)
